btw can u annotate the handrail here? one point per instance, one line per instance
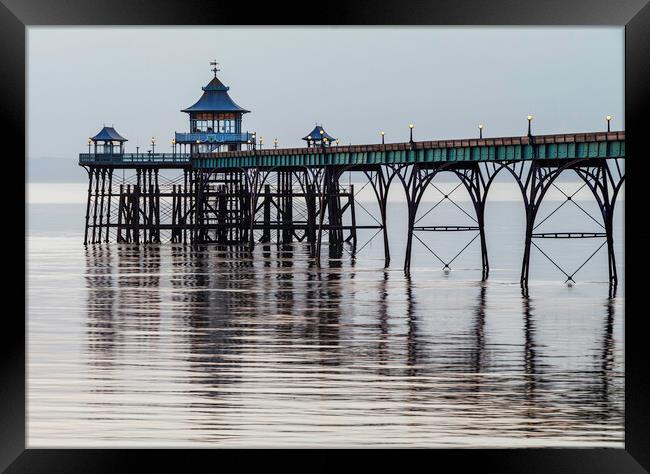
(134, 158)
(212, 137)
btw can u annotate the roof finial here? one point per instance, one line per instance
(215, 70)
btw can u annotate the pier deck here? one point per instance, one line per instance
(541, 147)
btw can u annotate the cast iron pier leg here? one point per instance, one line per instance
(90, 187)
(266, 231)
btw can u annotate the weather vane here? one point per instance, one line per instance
(215, 70)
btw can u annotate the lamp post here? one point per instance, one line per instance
(609, 119)
(309, 141)
(261, 142)
(530, 119)
(480, 130)
(411, 131)
(254, 142)
(324, 142)
(337, 142)
(382, 136)
(275, 143)
(153, 145)
(198, 142)
(248, 143)
(173, 147)
(89, 142)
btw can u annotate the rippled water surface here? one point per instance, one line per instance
(172, 345)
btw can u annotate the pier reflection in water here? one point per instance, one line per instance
(190, 346)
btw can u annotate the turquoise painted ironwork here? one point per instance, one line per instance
(542, 147)
(546, 147)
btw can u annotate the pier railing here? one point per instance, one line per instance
(213, 137)
(130, 159)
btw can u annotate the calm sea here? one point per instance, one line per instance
(172, 345)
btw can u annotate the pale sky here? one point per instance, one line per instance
(355, 81)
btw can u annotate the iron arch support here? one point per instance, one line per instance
(381, 187)
(539, 180)
(605, 190)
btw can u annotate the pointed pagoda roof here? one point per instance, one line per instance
(108, 134)
(215, 98)
(318, 133)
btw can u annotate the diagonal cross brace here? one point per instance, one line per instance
(569, 198)
(569, 277)
(447, 265)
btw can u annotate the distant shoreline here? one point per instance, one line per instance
(75, 192)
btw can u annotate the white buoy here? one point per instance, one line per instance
(446, 270)
(569, 284)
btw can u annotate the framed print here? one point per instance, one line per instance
(398, 227)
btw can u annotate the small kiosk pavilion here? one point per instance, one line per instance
(318, 137)
(107, 142)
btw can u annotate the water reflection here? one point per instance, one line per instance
(479, 330)
(210, 345)
(608, 356)
(100, 283)
(383, 326)
(412, 336)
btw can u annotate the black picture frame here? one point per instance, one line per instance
(16, 15)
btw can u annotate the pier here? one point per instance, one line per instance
(231, 191)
